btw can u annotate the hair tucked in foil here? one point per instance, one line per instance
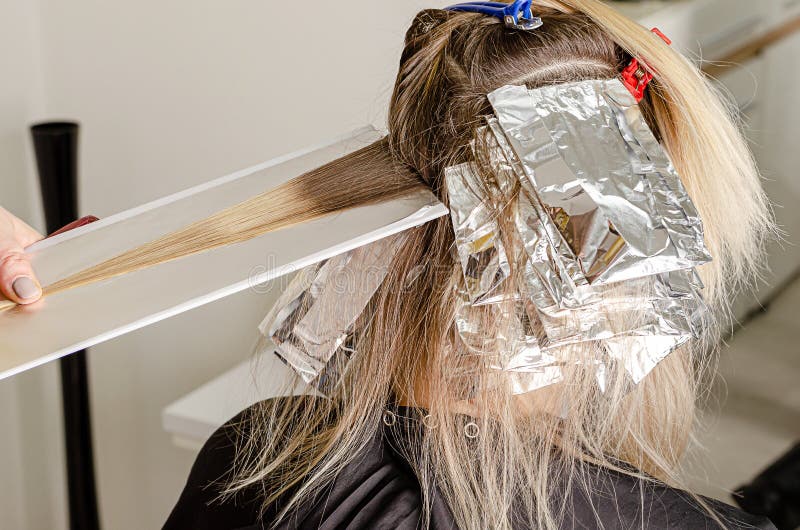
(608, 238)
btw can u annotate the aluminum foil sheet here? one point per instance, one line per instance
(593, 308)
(480, 251)
(597, 274)
(500, 336)
(312, 323)
(603, 178)
(610, 237)
(550, 255)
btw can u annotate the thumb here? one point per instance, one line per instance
(17, 280)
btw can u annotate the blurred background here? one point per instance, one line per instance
(172, 94)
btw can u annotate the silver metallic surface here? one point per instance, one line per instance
(610, 237)
(522, 22)
(312, 320)
(480, 251)
(553, 265)
(620, 206)
(500, 336)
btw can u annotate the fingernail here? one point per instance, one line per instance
(26, 288)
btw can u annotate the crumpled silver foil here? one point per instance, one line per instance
(553, 265)
(502, 338)
(480, 250)
(600, 173)
(610, 236)
(312, 322)
(598, 272)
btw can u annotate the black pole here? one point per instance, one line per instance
(56, 148)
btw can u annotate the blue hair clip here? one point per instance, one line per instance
(508, 13)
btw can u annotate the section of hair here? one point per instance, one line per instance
(365, 176)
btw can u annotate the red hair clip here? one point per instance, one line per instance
(85, 220)
(635, 77)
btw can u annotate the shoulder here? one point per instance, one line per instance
(617, 500)
(377, 486)
(374, 490)
(200, 505)
(214, 459)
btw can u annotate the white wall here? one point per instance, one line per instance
(11, 495)
(171, 94)
(31, 461)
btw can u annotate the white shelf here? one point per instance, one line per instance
(195, 417)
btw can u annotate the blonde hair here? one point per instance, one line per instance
(407, 350)
(332, 187)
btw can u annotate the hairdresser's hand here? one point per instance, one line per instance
(17, 281)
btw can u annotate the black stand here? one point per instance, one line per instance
(56, 147)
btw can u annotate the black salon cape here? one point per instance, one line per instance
(378, 490)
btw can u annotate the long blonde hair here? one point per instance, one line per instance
(407, 350)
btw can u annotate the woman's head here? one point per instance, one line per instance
(452, 60)
(408, 347)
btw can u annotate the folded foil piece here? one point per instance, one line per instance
(598, 270)
(610, 238)
(480, 251)
(603, 178)
(553, 265)
(501, 337)
(313, 321)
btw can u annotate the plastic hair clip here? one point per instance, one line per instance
(635, 77)
(85, 220)
(516, 15)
